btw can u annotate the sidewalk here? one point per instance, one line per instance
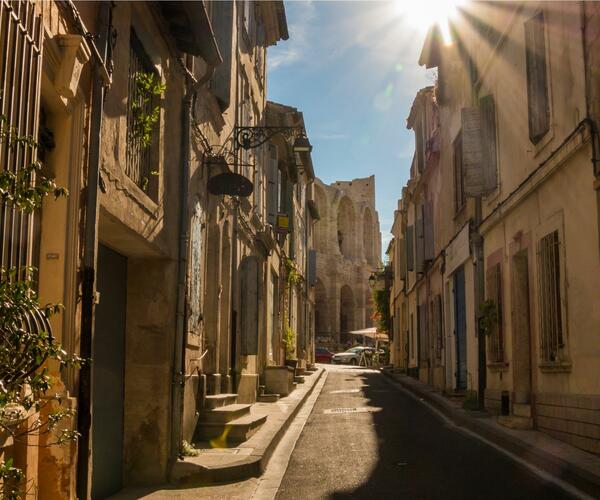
(193, 476)
(572, 465)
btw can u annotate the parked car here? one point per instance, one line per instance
(323, 355)
(353, 355)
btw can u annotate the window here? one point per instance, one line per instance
(549, 295)
(21, 32)
(141, 158)
(459, 184)
(494, 294)
(537, 78)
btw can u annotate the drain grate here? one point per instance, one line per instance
(363, 409)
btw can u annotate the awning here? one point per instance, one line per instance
(371, 333)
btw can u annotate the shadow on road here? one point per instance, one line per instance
(420, 456)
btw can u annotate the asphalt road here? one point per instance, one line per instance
(396, 447)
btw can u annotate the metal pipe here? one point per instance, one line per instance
(178, 377)
(90, 248)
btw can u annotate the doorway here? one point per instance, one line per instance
(108, 374)
(460, 329)
(521, 331)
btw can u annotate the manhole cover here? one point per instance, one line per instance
(347, 410)
(344, 391)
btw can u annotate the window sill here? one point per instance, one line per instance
(555, 367)
(498, 366)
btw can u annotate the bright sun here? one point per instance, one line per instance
(421, 14)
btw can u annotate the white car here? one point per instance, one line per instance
(350, 357)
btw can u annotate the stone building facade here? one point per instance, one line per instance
(348, 246)
(515, 268)
(175, 291)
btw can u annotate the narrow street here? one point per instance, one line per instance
(395, 446)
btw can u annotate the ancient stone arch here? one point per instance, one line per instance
(346, 224)
(368, 230)
(347, 313)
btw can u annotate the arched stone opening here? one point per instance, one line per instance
(321, 237)
(345, 227)
(211, 298)
(322, 324)
(347, 310)
(368, 231)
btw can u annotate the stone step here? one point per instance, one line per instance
(219, 400)
(299, 379)
(300, 371)
(514, 422)
(268, 398)
(225, 435)
(522, 410)
(224, 414)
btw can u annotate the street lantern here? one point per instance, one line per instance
(372, 280)
(302, 145)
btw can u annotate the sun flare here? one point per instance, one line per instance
(423, 14)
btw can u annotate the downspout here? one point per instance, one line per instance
(591, 122)
(178, 377)
(90, 247)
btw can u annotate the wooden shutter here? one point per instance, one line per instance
(20, 80)
(402, 252)
(423, 333)
(537, 78)
(222, 22)
(249, 290)
(428, 231)
(420, 240)
(272, 185)
(472, 152)
(419, 144)
(487, 109)
(410, 259)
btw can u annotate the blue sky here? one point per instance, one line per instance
(351, 68)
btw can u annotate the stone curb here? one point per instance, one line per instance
(253, 465)
(565, 470)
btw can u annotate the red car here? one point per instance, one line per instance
(322, 355)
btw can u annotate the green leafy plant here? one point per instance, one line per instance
(188, 450)
(488, 316)
(26, 405)
(292, 276)
(145, 114)
(289, 341)
(381, 314)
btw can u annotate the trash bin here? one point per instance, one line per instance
(505, 403)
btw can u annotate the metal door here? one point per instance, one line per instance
(108, 369)
(460, 329)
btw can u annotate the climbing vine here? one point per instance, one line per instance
(145, 113)
(293, 278)
(381, 314)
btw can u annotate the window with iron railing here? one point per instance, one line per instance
(20, 77)
(552, 342)
(142, 145)
(495, 341)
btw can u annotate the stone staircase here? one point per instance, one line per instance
(224, 423)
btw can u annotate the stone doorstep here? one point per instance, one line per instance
(223, 414)
(233, 432)
(253, 455)
(218, 400)
(570, 464)
(515, 422)
(268, 398)
(299, 379)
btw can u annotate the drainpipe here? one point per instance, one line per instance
(477, 245)
(178, 377)
(591, 122)
(90, 247)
